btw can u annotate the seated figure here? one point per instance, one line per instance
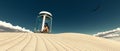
(46, 28)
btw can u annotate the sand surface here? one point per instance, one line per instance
(55, 42)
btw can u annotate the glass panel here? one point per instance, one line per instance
(38, 24)
(48, 21)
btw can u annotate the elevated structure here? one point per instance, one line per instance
(44, 22)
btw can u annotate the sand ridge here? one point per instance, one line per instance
(55, 42)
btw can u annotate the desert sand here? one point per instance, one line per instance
(55, 42)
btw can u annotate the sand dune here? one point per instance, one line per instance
(55, 42)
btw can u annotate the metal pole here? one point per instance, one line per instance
(43, 22)
(51, 25)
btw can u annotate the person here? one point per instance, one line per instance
(46, 28)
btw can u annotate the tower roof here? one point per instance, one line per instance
(45, 12)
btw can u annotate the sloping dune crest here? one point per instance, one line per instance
(55, 42)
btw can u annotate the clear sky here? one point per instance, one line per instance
(81, 16)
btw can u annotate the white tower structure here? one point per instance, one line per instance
(43, 18)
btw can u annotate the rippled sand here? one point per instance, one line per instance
(55, 42)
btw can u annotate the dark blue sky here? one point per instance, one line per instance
(81, 16)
